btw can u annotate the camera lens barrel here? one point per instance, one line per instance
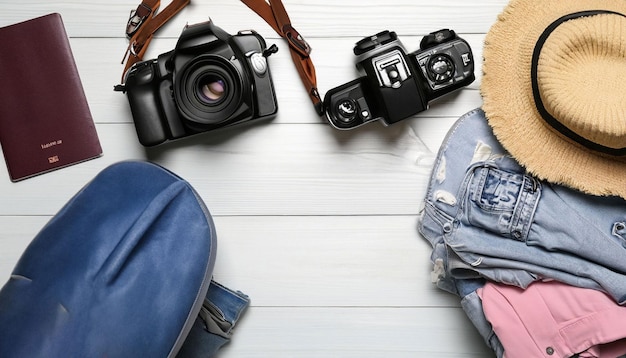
(208, 90)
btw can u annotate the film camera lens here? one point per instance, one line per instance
(209, 90)
(212, 88)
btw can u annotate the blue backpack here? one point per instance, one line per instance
(122, 270)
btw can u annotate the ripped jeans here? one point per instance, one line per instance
(486, 218)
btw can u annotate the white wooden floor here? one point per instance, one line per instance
(318, 226)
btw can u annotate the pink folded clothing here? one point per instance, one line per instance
(552, 319)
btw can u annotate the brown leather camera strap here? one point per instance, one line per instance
(142, 25)
(275, 15)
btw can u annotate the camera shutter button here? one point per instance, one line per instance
(259, 63)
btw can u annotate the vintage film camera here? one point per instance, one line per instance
(210, 80)
(398, 85)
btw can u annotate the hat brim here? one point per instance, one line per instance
(510, 108)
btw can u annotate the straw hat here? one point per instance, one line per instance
(554, 90)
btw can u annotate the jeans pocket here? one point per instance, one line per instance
(497, 201)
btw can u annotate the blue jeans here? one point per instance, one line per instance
(486, 218)
(213, 328)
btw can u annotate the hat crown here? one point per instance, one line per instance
(581, 76)
(553, 90)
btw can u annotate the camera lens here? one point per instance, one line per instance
(440, 68)
(346, 110)
(212, 88)
(208, 90)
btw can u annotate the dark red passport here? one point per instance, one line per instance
(45, 121)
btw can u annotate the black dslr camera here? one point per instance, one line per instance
(210, 80)
(398, 85)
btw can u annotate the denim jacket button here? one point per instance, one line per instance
(550, 351)
(447, 228)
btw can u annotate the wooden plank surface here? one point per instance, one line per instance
(316, 225)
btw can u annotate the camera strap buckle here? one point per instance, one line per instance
(296, 41)
(142, 25)
(137, 18)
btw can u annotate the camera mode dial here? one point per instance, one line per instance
(440, 68)
(437, 38)
(371, 42)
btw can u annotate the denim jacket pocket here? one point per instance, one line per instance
(502, 202)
